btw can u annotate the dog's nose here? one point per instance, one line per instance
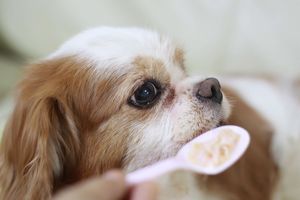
(209, 89)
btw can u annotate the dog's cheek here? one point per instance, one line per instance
(150, 142)
(184, 122)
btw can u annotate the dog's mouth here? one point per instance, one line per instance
(200, 132)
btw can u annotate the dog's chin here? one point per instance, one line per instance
(200, 132)
(175, 147)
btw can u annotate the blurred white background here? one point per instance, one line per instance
(219, 36)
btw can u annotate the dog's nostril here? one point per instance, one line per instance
(209, 89)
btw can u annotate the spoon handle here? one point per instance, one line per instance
(152, 171)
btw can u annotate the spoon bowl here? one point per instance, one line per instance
(210, 153)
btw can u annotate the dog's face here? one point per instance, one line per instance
(117, 98)
(164, 110)
(151, 106)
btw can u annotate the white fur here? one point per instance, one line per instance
(118, 47)
(182, 185)
(172, 126)
(165, 134)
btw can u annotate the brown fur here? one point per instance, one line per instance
(63, 128)
(54, 119)
(152, 68)
(255, 175)
(179, 57)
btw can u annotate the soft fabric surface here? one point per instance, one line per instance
(10, 73)
(5, 108)
(219, 36)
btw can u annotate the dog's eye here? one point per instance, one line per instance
(146, 95)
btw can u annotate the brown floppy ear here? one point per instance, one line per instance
(36, 140)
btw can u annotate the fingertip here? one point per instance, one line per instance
(145, 191)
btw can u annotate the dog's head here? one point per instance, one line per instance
(107, 98)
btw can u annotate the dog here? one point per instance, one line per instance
(121, 98)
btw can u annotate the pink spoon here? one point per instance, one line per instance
(210, 153)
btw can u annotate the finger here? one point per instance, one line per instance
(111, 186)
(145, 191)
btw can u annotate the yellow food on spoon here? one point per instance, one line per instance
(215, 152)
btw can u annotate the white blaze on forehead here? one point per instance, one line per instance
(177, 74)
(117, 46)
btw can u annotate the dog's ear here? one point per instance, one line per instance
(36, 140)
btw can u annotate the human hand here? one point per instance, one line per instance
(110, 186)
